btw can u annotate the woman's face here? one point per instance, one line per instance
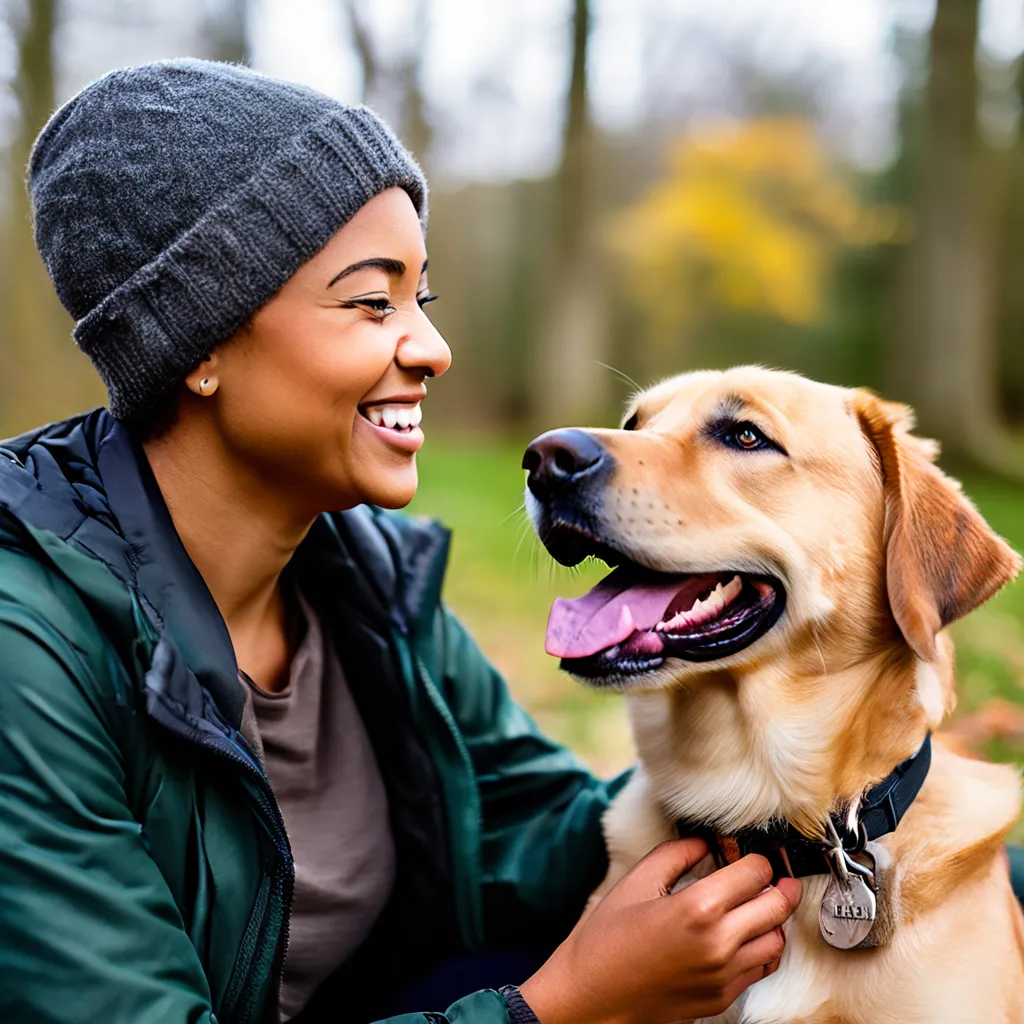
(321, 393)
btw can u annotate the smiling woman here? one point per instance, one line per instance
(337, 353)
(251, 768)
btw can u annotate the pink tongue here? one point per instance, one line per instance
(612, 611)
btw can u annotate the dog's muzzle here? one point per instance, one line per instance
(567, 473)
(561, 462)
(637, 617)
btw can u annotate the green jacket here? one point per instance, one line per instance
(145, 872)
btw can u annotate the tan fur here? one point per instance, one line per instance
(878, 551)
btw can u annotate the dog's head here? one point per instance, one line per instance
(754, 517)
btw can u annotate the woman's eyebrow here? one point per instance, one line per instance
(394, 268)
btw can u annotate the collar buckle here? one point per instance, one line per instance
(840, 860)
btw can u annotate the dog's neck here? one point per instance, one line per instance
(735, 752)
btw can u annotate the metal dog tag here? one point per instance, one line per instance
(847, 911)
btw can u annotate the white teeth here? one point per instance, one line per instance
(395, 417)
(706, 609)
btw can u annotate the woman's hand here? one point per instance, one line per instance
(644, 954)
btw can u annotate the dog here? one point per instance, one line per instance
(786, 556)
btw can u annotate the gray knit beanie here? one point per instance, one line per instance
(171, 200)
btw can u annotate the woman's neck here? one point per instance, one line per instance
(240, 536)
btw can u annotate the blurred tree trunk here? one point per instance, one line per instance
(399, 81)
(417, 132)
(1011, 265)
(44, 376)
(568, 382)
(229, 33)
(946, 360)
(364, 50)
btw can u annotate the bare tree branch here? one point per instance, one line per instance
(364, 49)
(228, 32)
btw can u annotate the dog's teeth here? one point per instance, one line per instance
(374, 416)
(679, 619)
(703, 610)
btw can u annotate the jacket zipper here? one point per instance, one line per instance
(268, 805)
(467, 884)
(471, 908)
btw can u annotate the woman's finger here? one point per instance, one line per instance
(761, 952)
(765, 911)
(741, 984)
(659, 871)
(732, 885)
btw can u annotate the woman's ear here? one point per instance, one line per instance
(203, 379)
(942, 558)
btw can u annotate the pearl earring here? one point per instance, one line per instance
(204, 384)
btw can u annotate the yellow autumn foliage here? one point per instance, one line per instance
(750, 216)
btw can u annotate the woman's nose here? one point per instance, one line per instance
(424, 349)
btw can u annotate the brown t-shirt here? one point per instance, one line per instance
(325, 776)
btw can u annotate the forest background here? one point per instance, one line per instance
(623, 190)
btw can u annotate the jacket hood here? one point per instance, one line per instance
(80, 493)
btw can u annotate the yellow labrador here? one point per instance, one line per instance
(786, 557)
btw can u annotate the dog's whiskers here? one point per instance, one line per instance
(624, 376)
(514, 512)
(525, 530)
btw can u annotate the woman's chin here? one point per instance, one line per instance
(393, 489)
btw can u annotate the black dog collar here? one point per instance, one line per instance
(792, 853)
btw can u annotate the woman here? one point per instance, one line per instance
(250, 768)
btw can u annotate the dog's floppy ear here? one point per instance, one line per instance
(942, 558)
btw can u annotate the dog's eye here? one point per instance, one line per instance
(745, 437)
(631, 423)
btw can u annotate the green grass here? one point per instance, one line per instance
(501, 583)
(990, 641)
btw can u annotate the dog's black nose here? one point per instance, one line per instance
(561, 458)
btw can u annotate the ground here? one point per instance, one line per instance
(501, 583)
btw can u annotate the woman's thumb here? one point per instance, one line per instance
(659, 871)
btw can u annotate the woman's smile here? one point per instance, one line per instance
(395, 420)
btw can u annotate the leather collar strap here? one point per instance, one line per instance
(792, 853)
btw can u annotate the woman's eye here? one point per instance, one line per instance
(380, 307)
(422, 300)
